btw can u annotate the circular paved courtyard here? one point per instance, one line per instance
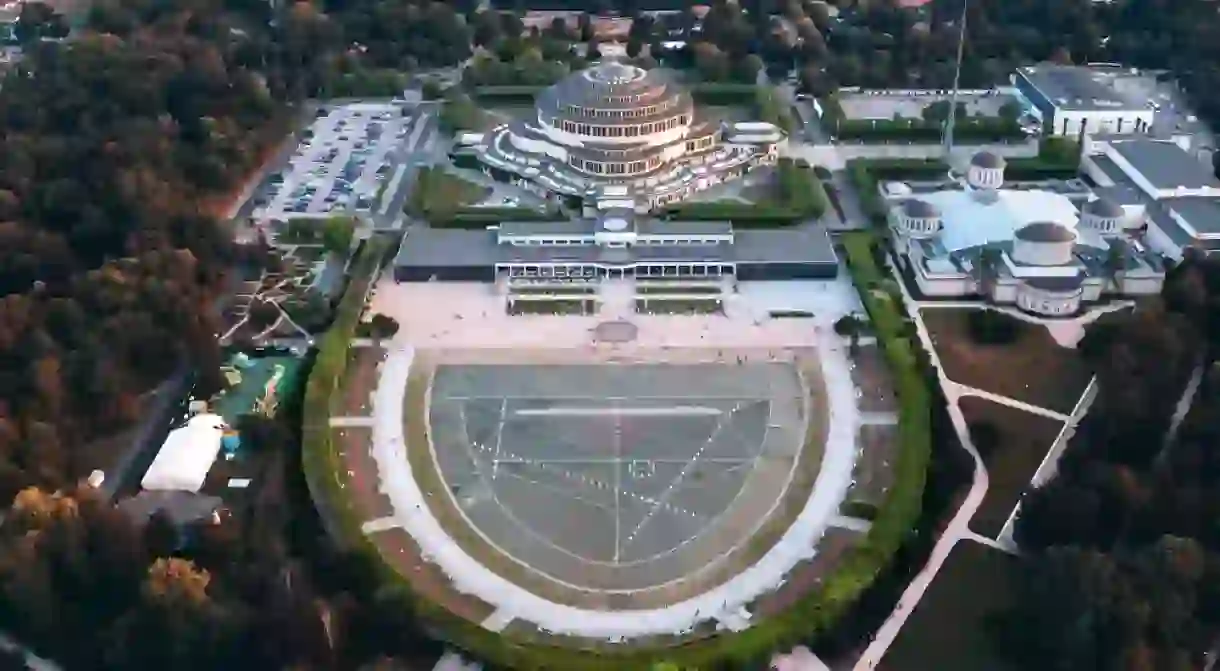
(618, 479)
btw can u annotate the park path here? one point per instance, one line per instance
(958, 528)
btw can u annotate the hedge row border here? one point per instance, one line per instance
(814, 614)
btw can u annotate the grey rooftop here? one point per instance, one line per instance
(430, 247)
(1164, 164)
(1078, 88)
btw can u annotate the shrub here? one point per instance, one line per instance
(920, 130)
(321, 462)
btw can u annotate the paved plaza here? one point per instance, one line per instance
(647, 472)
(875, 105)
(608, 490)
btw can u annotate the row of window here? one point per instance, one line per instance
(587, 241)
(623, 131)
(632, 113)
(600, 168)
(701, 143)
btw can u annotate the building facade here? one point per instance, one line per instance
(616, 124)
(1029, 247)
(1169, 194)
(1070, 100)
(614, 243)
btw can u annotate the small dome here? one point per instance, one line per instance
(615, 73)
(1045, 231)
(919, 209)
(1104, 207)
(987, 159)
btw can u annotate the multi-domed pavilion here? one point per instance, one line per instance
(619, 125)
(1043, 251)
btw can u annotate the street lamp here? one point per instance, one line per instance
(957, 75)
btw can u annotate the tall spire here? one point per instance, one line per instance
(957, 76)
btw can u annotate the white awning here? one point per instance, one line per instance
(187, 455)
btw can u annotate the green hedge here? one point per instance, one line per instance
(322, 463)
(744, 215)
(816, 613)
(507, 95)
(918, 130)
(482, 217)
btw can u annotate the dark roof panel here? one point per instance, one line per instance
(1045, 231)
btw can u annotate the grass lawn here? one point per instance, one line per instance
(439, 191)
(948, 630)
(1024, 439)
(1033, 368)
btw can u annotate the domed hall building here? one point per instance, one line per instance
(1047, 252)
(619, 125)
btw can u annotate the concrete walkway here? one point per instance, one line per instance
(1050, 462)
(958, 528)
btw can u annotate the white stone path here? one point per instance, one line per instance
(958, 528)
(724, 603)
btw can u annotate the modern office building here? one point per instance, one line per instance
(616, 124)
(1032, 247)
(1071, 99)
(1170, 194)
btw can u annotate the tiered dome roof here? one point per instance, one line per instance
(615, 86)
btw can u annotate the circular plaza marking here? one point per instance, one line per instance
(615, 332)
(632, 480)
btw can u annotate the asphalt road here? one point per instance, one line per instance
(418, 149)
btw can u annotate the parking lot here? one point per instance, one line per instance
(344, 163)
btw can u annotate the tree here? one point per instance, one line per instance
(1116, 263)
(850, 326)
(37, 21)
(989, 327)
(382, 326)
(988, 268)
(161, 535)
(337, 235)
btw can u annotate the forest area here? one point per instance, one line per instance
(1123, 541)
(884, 45)
(118, 146)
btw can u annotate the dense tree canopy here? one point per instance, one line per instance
(113, 150)
(1122, 550)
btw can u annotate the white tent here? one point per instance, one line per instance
(187, 455)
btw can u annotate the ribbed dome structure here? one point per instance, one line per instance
(919, 218)
(615, 119)
(986, 172)
(1102, 215)
(618, 124)
(1104, 207)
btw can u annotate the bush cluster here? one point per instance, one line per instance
(321, 461)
